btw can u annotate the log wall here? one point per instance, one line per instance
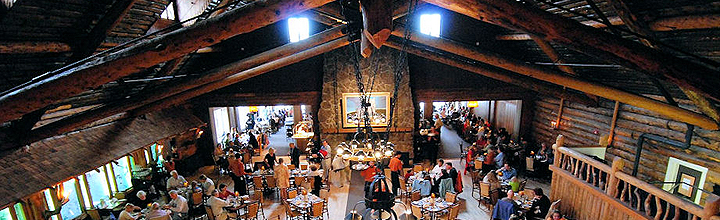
(582, 125)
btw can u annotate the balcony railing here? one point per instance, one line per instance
(590, 189)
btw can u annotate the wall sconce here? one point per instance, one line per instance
(63, 198)
(554, 124)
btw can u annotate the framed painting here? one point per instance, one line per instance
(378, 111)
(687, 180)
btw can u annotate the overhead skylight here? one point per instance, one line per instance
(8, 3)
(430, 24)
(299, 28)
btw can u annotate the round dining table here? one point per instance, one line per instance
(434, 207)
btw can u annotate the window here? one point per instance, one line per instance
(71, 209)
(19, 213)
(98, 185)
(110, 177)
(169, 12)
(430, 24)
(84, 191)
(222, 123)
(50, 202)
(121, 169)
(299, 28)
(5, 213)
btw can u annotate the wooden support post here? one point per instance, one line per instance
(377, 20)
(507, 77)
(617, 166)
(9, 47)
(712, 206)
(70, 123)
(557, 29)
(558, 78)
(264, 68)
(560, 111)
(613, 123)
(73, 80)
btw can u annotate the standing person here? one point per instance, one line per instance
(395, 168)
(316, 176)
(540, 205)
(282, 174)
(294, 155)
(338, 167)
(270, 158)
(369, 174)
(326, 161)
(237, 173)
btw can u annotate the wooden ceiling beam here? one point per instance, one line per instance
(559, 78)
(555, 57)
(72, 122)
(11, 47)
(508, 77)
(638, 25)
(690, 22)
(69, 81)
(89, 44)
(238, 77)
(557, 29)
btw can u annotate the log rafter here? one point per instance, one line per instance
(70, 81)
(562, 79)
(10, 47)
(557, 29)
(97, 35)
(638, 25)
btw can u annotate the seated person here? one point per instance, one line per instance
(127, 213)
(207, 184)
(507, 172)
(514, 184)
(492, 179)
(540, 205)
(141, 199)
(556, 215)
(408, 174)
(316, 176)
(423, 185)
(175, 181)
(505, 207)
(195, 186)
(156, 212)
(178, 205)
(224, 192)
(216, 205)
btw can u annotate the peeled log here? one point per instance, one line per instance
(377, 20)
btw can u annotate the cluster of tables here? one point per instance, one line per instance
(433, 206)
(304, 202)
(239, 204)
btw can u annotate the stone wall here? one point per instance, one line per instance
(339, 70)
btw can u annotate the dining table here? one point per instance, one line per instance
(433, 206)
(239, 204)
(304, 202)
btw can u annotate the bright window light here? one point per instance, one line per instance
(430, 24)
(299, 29)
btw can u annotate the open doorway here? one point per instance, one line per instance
(458, 123)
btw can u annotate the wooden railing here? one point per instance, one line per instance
(590, 189)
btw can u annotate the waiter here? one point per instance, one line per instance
(395, 168)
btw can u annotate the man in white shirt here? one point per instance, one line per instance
(216, 205)
(178, 205)
(127, 213)
(207, 184)
(437, 170)
(156, 213)
(175, 181)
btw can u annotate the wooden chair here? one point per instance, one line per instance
(317, 210)
(303, 166)
(209, 212)
(450, 197)
(271, 183)
(197, 198)
(485, 195)
(291, 166)
(164, 217)
(415, 196)
(553, 206)
(252, 212)
(258, 183)
(452, 213)
(325, 195)
(417, 168)
(529, 193)
(478, 165)
(418, 213)
(260, 198)
(299, 180)
(522, 185)
(292, 194)
(291, 213)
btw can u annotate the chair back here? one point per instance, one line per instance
(271, 181)
(197, 198)
(324, 194)
(484, 189)
(252, 210)
(289, 212)
(529, 193)
(415, 196)
(164, 217)
(299, 180)
(553, 206)
(450, 197)
(478, 165)
(522, 185)
(317, 210)
(291, 166)
(303, 166)
(529, 163)
(258, 196)
(257, 180)
(209, 212)
(292, 194)
(402, 184)
(417, 168)
(454, 211)
(417, 212)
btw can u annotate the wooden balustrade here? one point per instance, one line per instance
(591, 189)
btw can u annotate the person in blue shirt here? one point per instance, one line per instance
(507, 172)
(500, 158)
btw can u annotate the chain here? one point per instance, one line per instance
(397, 69)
